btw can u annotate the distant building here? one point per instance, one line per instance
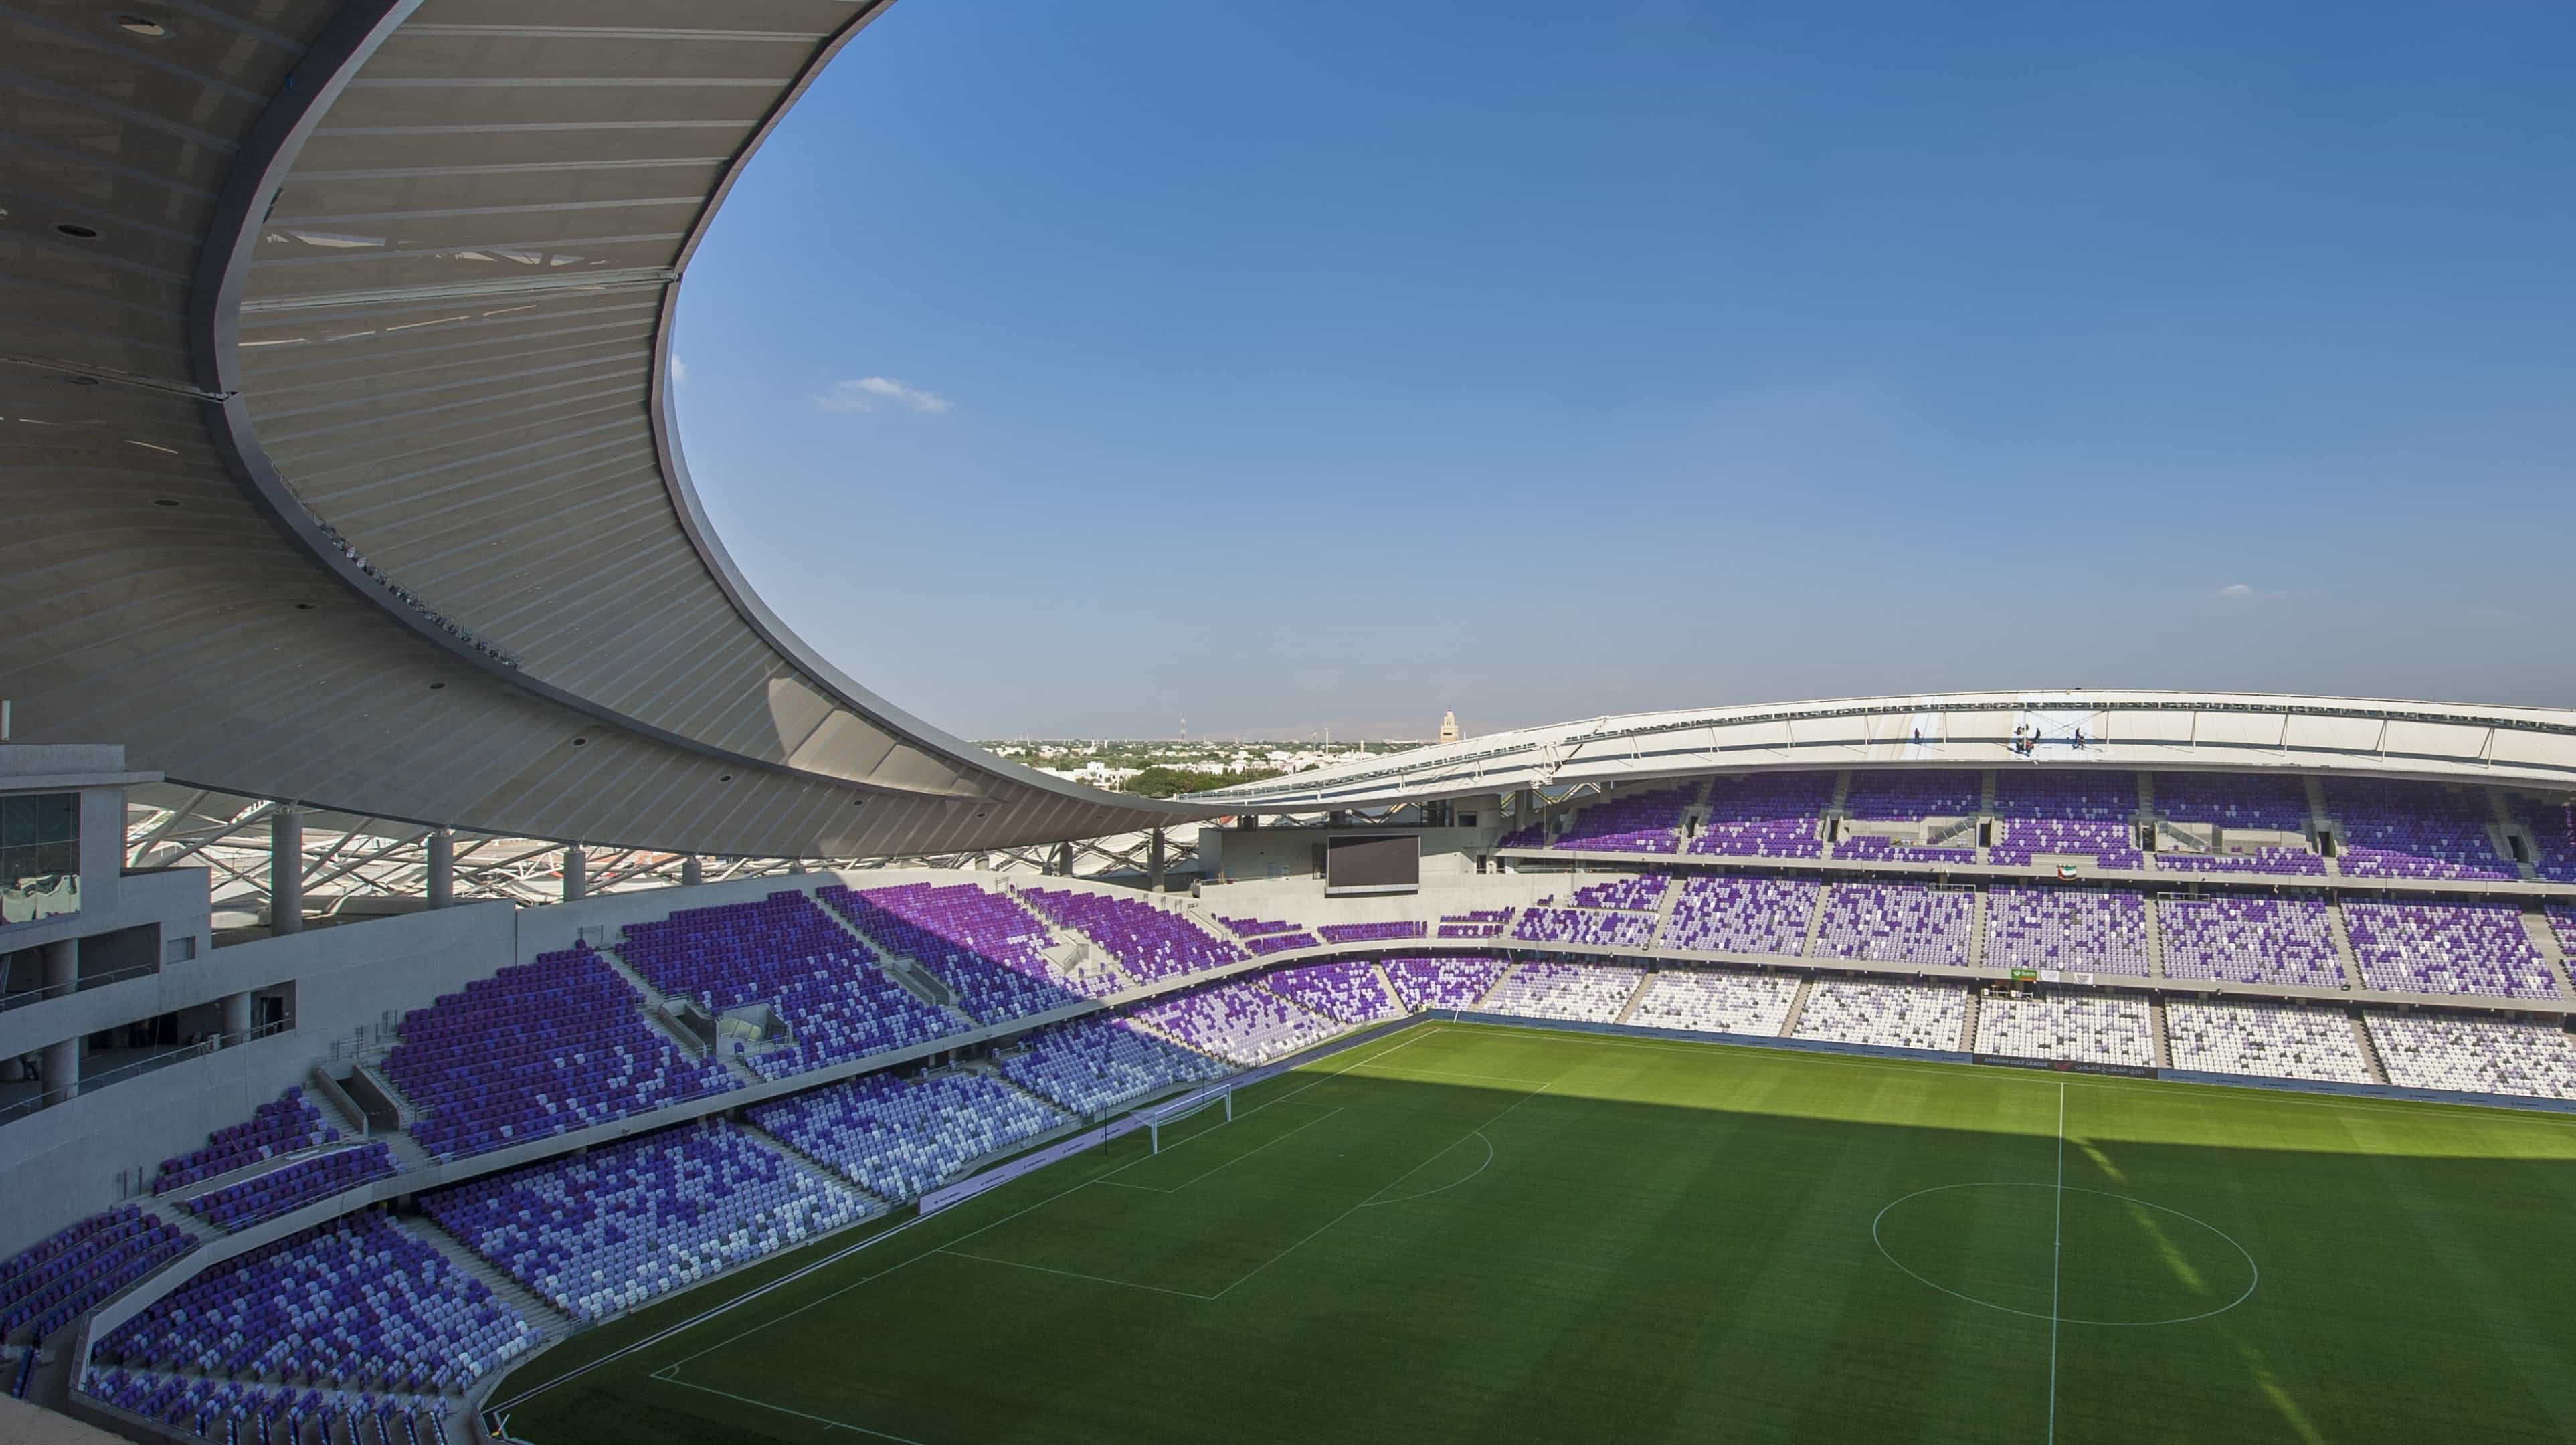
(1449, 727)
(1096, 773)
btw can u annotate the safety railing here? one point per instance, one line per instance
(92, 1083)
(83, 984)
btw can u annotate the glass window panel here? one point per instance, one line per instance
(57, 817)
(39, 818)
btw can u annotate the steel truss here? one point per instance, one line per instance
(357, 865)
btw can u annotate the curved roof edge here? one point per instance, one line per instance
(710, 547)
(336, 437)
(2170, 730)
(346, 467)
(263, 166)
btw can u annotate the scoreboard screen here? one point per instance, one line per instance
(1391, 864)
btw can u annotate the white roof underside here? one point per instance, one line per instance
(2246, 732)
(405, 270)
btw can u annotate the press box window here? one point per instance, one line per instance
(39, 855)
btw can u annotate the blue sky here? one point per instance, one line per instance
(1075, 369)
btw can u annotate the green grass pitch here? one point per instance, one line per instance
(1473, 1233)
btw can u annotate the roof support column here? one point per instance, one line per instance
(60, 960)
(286, 871)
(693, 871)
(1154, 862)
(442, 867)
(576, 873)
(62, 1071)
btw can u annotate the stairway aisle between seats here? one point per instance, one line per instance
(1797, 1006)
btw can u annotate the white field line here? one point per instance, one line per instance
(822, 1420)
(712, 1312)
(1457, 1074)
(1329, 1111)
(1112, 1175)
(1070, 1274)
(1878, 1236)
(1374, 1201)
(669, 1373)
(996, 1224)
(1390, 1184)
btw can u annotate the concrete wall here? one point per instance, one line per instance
(1245, 854)
(77, 1158)
(102, 848)
(97, 773)
(171, 903)
(351, 984)
(353, 981)
(543, 930)
(174, 898)
(1302, 898)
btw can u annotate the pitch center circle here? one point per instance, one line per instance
(2067, 1253)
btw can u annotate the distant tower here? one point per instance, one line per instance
(1449, 727)
(1185, 730)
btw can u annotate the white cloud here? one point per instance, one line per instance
(679, 369)
(867, 392)
(2247, 592)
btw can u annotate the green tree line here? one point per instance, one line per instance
(1173, 782)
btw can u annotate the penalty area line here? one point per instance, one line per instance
(1390, 1184)
(824, 1420)
(1373, 1201)
(751, 1296)
(1072, 1274)
(1415, 1036)
(856, 1283)
(1329, 1111)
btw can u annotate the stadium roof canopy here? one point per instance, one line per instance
(2530, 747)
(333, 346)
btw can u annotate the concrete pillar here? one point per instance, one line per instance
(236, 1018)
(286, 871)
(61, 960)
(1064, 860)
(1154, 862)
(576, 874)
(62, 1070)
(693, 871)
(442, 867)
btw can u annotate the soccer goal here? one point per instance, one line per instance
(1175, 1112)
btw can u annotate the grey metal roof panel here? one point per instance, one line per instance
(430, 313)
